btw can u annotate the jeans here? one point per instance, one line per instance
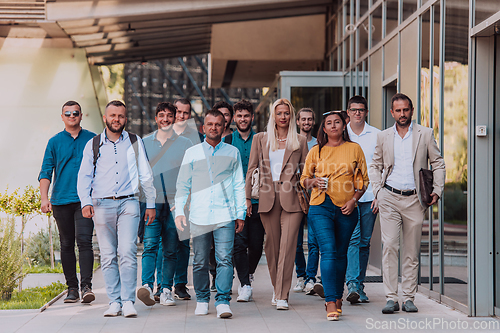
(116, 224)
(224, 239)
(73, 226)
(248, 246)
(313, 250)
(300, 260)
(333, 231)
(359, 246)
(181, 268)
(162, 228)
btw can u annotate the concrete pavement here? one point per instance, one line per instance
(306, 314)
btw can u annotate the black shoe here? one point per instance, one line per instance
(157, 294)
(408, 306)
(87, 295)
(181, 292)
(353, 295)
(318, 289)
(73, 296)
(390, 307)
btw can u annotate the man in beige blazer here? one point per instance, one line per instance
(401, 152)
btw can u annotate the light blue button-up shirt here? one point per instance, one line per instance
(367, 139)
(214, 177)
(116, 171)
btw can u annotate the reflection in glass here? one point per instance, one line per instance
(455, 150)
(320, 99)
(363, 7)
(485, 9)
(347, 47)
(377, 26)
(409, 7)
(363, 31)
(391, 16)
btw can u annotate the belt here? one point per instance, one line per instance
(405, 193)
(122, 197)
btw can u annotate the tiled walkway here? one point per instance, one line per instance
(306, 314)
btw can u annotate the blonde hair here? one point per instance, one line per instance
(292, 141)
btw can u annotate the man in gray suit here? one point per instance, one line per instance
(401, 152)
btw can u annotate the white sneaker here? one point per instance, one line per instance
(281, 304)
(251, 277)
(273, 300)
(244, 293)
(223, 311)
(299, 286)
(145, 294)
(201, 309)
(129, 309)
(308, 289)
(166, 297)
(115, 309)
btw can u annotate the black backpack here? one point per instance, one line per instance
(96, 145)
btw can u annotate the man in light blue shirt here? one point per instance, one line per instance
(359, 246)
(108, 189)
(211, 172)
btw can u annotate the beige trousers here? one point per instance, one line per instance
(282, 229)
(398, 212)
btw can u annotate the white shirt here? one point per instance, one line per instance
(116, 171)
(276, 160)
(214, 178)
(367, 139)
(402, 177)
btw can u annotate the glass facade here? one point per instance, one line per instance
(420, 48)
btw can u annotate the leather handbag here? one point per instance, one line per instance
(302, 194)
(426, 180)
(255, 184)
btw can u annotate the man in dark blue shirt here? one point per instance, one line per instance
(165, 150)
(62, 159)
(248, 243)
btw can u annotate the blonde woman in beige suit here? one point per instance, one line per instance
(278, 153)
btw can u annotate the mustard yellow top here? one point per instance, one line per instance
(338, 164)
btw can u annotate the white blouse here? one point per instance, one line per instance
(276, 160)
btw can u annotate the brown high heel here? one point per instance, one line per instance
(331, 311)
(338, 303)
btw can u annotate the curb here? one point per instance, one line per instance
(52, 301)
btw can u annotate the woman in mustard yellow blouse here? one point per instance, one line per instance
(329, 171)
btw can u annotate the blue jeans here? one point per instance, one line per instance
(333, 231)
(313, 256)
(162, 228)
(116, 223)
(300, 260)
(359, 246)
(183, 251)
(224, 239)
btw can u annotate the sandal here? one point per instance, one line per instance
(339, 306)
(331, 311)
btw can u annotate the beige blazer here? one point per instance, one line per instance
(259, 158)
(425, 152)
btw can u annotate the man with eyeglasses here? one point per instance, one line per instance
(61, 162)
(359, 246)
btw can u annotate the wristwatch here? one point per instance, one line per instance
(355, 200)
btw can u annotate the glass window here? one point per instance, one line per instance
(456, 86)
(409, 7)
(377, 26)
(347, 46)
(391, 58)
(363, 7)
(363, 33)
(484, 9)
(375, 99)
(391, 21)
(347, 11)
(409, 60)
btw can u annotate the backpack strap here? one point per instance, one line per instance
(96, 144)
(228, 139)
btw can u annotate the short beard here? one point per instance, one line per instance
(243, 129)
(119, 130)
(306, 131)
(405, 124)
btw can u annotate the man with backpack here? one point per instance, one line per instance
(113, 167)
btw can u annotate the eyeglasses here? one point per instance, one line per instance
(74, 113)
(354, 111)
(332, 112)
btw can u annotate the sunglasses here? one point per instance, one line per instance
(332, 112)
(74, 113)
